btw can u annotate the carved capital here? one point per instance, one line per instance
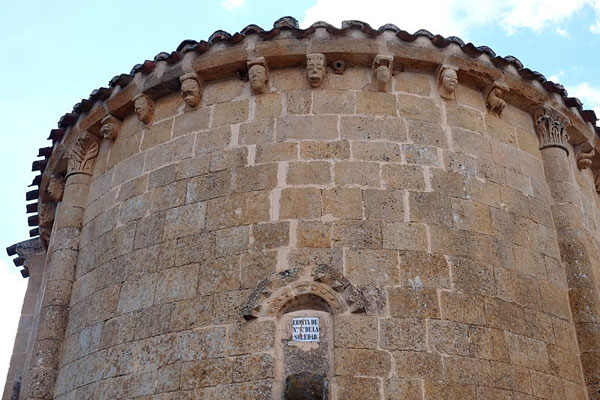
(551, 128)
(494, 97)
(82, 155)
(583, 154)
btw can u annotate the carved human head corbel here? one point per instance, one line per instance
(447, 81)
(382, 72)
(494, 97)
(56, 188)
(191, 89)
(315, 69)
(144, 107)
(258, 75)
(110, 128)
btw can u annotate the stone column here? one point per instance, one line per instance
(573, 240)
(33, 253)
(60, 270)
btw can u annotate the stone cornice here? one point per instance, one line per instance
(225, 55)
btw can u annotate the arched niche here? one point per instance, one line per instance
(303, 302)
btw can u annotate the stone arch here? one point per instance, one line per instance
(277, 294)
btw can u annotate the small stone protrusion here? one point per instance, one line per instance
(447, 81)
(338, 66)
(382, 72)
(144, 107)
(583, 154)
(494, 95)
(315, 69)
(110, 128)
(258, 75)
(191, 89)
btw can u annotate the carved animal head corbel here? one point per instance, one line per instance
(382, 72)
(494, 97)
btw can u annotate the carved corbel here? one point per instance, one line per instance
(551, 128)
(583, 154)
(447, 81)
(46, 212)
(56, 188)
(258, 74)
(191, 89)
(82, 155)
(144, 108)
(494, 95)
(315, 69)
(382, 71)
(110, 128)
(597, 181)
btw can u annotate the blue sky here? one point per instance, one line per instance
(55, 53)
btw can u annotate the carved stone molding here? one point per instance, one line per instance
(82, 155)
(494, 97)
(551, 128)
(258, 75)
(191, 89)
(583, 154)
(274, 293)
(447, 81)
(382, 71)
(110, 128)
(315, 69)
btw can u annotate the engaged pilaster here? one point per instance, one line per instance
(573, 241)
(60, 269)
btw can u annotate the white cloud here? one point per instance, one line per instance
(595, 28)
(562, 32)
(453, 17)
(589, 96)
(556, 77)
(230, 5)
(12, 292)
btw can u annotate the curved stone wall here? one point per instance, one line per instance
(444, 254)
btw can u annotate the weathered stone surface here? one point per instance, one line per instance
(445, 255)
(350, 362)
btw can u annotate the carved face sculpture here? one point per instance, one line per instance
(315, 69)
(144, 108)
(108, 130)
(382, 74)
(190, 92)
(258, 78)
(56, 188)
(449, 82)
